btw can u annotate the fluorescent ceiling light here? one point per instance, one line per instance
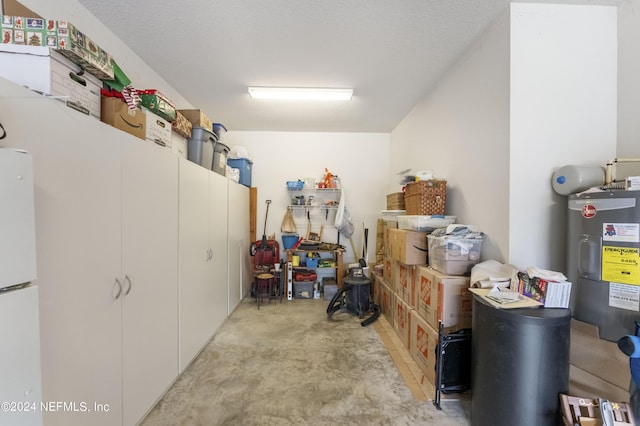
(300, 94)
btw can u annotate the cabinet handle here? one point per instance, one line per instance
(127, 279)
(117, 296)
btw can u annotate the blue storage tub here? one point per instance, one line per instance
(312, 262)
(244, 165)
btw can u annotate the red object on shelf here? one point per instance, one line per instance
(305, 276)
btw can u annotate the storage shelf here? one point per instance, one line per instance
(304, 206)
(337, 258)
(314, 189)
(312, 267)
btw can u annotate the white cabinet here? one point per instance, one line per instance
(203, 257)
(150, 281)
(132, 259)
(240, 269)
(106, 232)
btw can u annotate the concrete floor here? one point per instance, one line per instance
(287, 364)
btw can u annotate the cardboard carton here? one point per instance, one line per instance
(408, 247)
(404, 282)
(158, 130)
(402, 320)
(387, 303)
(44, 70)
(443, 299)
(423, 340)
(388, 271)
(197, 118)
(116, 112)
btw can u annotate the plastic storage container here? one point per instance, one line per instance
(392, 215)
(219, 130)
(245, 166)
(425, 223)
(200, 146)
(289, 241)
(330, 290)
(303, 289)
(453, 256)
(219, 164)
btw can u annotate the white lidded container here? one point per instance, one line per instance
(425, 223)
(392, 215)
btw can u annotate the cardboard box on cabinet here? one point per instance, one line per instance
(179, 145)
(408, 247)
(404, 282)
(197, 118)
(423, 340)
(444, 299)
(158, 130)
(46, 71)
(116, 112)
(402, 320)
(78, 47)
(59, 35)
(182, 126)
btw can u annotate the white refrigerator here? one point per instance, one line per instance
(20, 379)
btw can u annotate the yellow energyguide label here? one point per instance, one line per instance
(621, 264)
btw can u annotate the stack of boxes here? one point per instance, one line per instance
(51, 56)
(416, 295)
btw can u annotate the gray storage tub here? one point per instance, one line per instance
(200, 147)
(220, 152)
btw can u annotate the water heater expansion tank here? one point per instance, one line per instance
(571, 179)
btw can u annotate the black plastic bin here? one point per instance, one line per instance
(520, 365)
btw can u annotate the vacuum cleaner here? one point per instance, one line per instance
(354, 298)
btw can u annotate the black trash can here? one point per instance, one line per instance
(520, 363)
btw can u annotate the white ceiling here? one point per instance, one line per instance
(391, 52)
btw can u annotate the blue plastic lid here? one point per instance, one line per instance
(220, 125)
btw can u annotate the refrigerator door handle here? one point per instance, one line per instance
(117, 296)
(127, 279)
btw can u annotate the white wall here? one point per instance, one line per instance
(628, 81)
(361, 160)
(461, 131)
(563, 111)
(532, 94)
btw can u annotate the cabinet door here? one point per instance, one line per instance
(218, 234)
(77, 177)
(195, 287)
(239, 273)
(150, 275)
